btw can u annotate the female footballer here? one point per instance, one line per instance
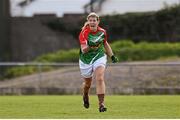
(93, 57)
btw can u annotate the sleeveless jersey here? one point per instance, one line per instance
(92, 39)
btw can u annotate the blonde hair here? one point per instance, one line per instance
(92, 14)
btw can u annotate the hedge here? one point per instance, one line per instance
(160, 26)
(125, 50)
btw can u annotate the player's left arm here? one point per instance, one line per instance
(109, 51)
(107, 47)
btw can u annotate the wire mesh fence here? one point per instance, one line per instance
(64, 78)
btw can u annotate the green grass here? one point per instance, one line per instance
(71, 107)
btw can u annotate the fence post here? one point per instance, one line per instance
(39, 75)
(131, 72)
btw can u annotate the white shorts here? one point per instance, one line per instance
(87, 69)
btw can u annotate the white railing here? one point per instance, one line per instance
(131, 65)
(76, 64)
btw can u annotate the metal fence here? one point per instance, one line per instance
(122, 78)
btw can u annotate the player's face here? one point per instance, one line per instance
(93, 23)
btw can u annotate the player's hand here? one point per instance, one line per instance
(94, 47)
(114, 59)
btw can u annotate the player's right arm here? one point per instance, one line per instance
(83, 41)
(84, 48)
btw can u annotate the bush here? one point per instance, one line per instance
(129, 51)
(125, 50)
(60, 56)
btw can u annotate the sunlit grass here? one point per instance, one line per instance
(71, 107)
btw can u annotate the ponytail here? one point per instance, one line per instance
(85, 25)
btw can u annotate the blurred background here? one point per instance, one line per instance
(39, 45)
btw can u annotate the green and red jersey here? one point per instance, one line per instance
(92, 39)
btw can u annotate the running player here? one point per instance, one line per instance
(93, 58)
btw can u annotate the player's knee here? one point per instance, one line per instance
(87, 84)
(100, 79)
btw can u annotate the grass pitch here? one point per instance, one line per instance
(53, 107)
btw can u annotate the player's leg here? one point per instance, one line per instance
(99, 70)
(86, 71)
(85, 90)
(100, 87)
